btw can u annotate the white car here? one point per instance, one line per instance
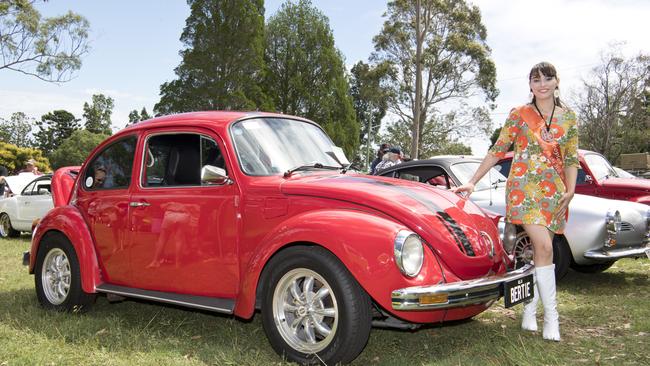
(19, 210)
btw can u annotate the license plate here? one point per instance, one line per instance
(647, 253)
(518, 291)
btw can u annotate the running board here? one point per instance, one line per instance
(219, 305)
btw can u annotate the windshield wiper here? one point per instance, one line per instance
(288, 173)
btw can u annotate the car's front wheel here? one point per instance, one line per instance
(523, 252)
(58, 277)
(313, 310)
(6, 230)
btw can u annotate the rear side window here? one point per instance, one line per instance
(111, 168)
(177, 159)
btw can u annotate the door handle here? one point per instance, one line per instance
(139, 204)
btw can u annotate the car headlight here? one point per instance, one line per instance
(508, 234)
(409, 253)
(613, 225)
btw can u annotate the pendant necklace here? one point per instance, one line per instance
(546, 133)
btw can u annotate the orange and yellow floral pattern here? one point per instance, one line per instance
(534, 185)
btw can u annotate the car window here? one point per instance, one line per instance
(465, 171)
(177, 159)
(111, 168)
(27, 191)
(505, 167)
(599, 166)
(581, 176)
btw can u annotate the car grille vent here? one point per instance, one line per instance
(626, 226)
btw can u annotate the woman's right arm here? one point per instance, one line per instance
(488, 162)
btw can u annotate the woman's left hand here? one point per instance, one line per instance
(563, 204)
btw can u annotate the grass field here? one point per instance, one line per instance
(605, 320)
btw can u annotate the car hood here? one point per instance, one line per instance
(449, 224)
(18, 182)
(626, 183)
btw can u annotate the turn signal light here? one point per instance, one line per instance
(434, 299)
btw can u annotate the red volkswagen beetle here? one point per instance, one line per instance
(232, 212)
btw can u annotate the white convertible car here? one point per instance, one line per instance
(28, 198)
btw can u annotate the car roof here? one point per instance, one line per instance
(444, 161)
(218, 118)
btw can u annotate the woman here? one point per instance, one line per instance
(541, 182)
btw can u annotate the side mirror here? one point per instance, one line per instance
(498, 168)
(214, 175)
(589, 179)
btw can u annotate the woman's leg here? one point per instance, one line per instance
(542, 240)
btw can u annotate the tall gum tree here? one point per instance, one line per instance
(455, 59)
(306, 74)
(223, 59)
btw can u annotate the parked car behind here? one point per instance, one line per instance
(599, 231)
(232, 212)
(597, 177)
(26, 203)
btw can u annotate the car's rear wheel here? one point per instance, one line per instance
(523, 252)
(592, 268)
(313, 310)
(58, 277)
(6, 230)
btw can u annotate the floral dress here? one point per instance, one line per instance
(536, 180)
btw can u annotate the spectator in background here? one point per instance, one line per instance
(392, 157)
(383, 149)
(30, 167)
(3, 174)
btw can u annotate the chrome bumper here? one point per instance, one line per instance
(613, 254)
(458, 294)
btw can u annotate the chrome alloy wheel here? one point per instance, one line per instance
(305, 310)
(55, 276)
(5, 225)
(523, 249)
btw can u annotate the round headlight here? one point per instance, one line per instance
(409, 253)
(613, 219)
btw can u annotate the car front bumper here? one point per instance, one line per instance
(614, 254)
(456, 294)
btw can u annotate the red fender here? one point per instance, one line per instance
(366, 252)
(642, 199)
(68, 221)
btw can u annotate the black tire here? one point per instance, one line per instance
(351, 306)
(592, 268)
(6, 230)
(561, 253)
(60, 287)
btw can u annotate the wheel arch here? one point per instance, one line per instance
(69, 222)
(366, 252)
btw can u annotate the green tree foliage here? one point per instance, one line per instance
(370, 100)
(223, 59)
(441, 134)
(75, 149)
(98, 114)
(135, 116)
(17, 130)
(455, 62)
(49, 49)
(306, 74)
(53, 128)
(14, 157)
(612, 106)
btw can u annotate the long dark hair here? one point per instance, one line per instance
(544, 69)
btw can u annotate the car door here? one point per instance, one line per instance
(103, 198)
(36, 200)
(183, 230)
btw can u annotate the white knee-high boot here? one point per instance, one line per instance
(546, 287)
(529, 317)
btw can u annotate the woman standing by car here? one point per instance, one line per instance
(541, 182)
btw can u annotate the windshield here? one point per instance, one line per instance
(272, 146)
(465, 171)
(599, 167)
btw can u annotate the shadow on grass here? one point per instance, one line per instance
(607, 281)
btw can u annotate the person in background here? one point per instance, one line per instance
(392, 157)
(30, 167)
(3, 174)
(541, 182)
(383, 149)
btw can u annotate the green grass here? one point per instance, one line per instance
(605, 320)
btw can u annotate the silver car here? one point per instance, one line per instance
(599, 231)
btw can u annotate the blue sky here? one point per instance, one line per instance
(135, 47)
